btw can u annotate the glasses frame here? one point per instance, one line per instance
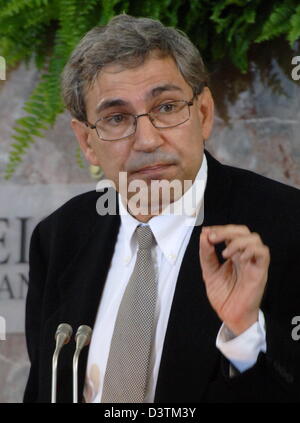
(187, 103)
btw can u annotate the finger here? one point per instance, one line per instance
(236, 260)
(208, 258)
(241, 243)
(226, 232)
(260, 255)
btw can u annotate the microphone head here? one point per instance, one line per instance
(86, 331)
(66, 330)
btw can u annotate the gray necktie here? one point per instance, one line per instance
(127, 369)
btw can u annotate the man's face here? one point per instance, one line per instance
(150, 153)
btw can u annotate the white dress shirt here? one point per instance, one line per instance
(172, 233)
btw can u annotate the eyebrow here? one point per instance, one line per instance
(162, 88)
(156, 91)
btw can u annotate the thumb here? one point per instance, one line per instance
(207, 253)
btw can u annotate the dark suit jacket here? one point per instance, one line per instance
(70, 255)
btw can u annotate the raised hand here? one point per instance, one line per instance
(234, 288)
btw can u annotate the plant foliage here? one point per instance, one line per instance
(48, 30)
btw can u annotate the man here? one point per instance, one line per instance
(183, 319)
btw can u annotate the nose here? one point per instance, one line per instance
(147, 138)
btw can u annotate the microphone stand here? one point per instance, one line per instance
(54, 374)
(82, 338)
(75, 375)
(62, 336)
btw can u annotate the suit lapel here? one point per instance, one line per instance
(190, 357)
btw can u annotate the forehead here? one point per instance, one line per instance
(135, 84)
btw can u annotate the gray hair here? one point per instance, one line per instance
(128, 41)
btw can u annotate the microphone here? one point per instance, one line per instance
(82, 338)
(62, 337)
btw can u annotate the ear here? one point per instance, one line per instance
(84, 138)
(206, 112)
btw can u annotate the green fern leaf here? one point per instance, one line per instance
(294, 33)
(278, 22)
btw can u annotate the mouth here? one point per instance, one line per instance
(156, 168)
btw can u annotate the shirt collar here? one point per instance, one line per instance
(170, 227)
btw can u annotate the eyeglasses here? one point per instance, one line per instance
(117, 126)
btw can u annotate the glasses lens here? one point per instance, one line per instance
(170, 114)
(116, 126)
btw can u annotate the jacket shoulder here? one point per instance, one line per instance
(81, 207)
(264, 194)
(71, 221)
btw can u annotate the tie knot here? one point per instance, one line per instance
(145, 237)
